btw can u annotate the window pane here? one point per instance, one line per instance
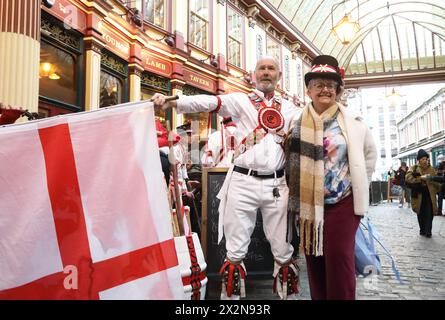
(201, 8)
(110, 90)
(198, 31)
(273, 48)
(154, 12)
(57, 74)
(234, 24)
(146, 94)
(234, 52)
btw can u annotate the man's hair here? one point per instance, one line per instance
(275, 60)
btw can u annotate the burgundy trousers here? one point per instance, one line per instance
(332, 276)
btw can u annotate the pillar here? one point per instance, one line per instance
(92, 74)
(20, 53)
(135, 71)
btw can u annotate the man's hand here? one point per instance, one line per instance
(193, 184)
(189, 195)
(159, 102)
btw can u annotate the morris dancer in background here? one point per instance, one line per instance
(220, 148)
(262, 119)
(9, 114)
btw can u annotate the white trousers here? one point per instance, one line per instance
(246, 195)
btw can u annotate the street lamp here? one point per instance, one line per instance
(346, 28)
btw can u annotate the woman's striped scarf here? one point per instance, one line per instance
(305, 178)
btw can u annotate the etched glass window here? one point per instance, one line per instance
(199, 23)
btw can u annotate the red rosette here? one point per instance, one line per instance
(270, 119)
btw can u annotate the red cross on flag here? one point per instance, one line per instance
(83, 209)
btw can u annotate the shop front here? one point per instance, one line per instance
(197, 84)
(61, 68)
(156, 79)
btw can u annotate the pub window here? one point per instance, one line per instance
(57, 76)
(199, 23)
(61, 65)
(113, 80)
(152, 84)
(201, 117)
(146, 94)
(235, 36)
(110, 90)
(155, 12)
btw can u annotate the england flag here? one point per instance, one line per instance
(83, 209)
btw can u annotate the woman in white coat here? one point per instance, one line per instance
(330, 158)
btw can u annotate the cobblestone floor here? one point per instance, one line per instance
(420, 260)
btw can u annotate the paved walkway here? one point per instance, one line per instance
(420, 260)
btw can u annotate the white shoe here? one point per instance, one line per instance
(400, 205)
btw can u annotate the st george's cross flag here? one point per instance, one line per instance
(83, 209)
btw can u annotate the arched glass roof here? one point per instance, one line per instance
(395, 35)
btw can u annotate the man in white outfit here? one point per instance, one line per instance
(220, 148)
(262, 119)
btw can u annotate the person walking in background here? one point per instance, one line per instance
(330, 158)
(423, 193)
(406, 192)
(440, 172)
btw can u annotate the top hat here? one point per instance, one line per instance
(325, 67)
(187, 127)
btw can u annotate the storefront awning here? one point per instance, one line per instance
(426, 147)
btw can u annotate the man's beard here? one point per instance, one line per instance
(266, 88)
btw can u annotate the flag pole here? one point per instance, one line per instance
(174, 170)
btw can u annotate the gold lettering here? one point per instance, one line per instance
(118, 45)
(199, 80)
(155, 64)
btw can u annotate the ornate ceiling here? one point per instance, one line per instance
(396, 36)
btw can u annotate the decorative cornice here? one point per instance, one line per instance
(154, 81)
(113, 63)
(51, 28)
(93, 44)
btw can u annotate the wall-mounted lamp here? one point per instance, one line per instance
(212, 59)
(246, 77)
(346, 28)
(168, 39)
(47, 70)
(136, 18)
(48, 3)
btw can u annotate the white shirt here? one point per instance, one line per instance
(214, 144)
(266, 156)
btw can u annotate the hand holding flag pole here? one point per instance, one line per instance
(164, 102)
(174, 170)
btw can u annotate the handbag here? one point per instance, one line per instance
(367, 259)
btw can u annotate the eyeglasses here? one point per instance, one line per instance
(318, 86)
